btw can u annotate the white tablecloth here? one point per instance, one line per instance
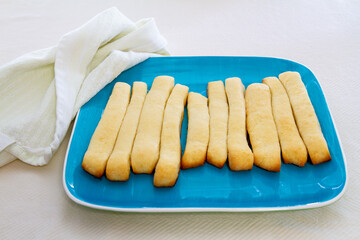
(323, 35)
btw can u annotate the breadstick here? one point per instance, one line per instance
(218, 109)
(198, 131)
(239, 153)
(145, 153)
(305, 116)
(118, 165)
(293, 149)
(261, 127)
(168, 166)
(103, 139)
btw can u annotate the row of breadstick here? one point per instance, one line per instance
(144, 132)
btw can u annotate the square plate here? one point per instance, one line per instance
(208, 188)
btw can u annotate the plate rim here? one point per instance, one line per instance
(212, 209)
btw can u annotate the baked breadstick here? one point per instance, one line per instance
(261, 127)
(103, 139)
(305, 117)
(293, 149)
(218, 109)
(118, 165)
(145, 153)
(239, 153)
(168, 166)
(198, 131)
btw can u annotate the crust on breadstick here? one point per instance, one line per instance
(198, 131)
(104, 137)
(145, 153)
(218, 109)
(261, 127)
(239, 153)
(118, 165)
(168, 166)
(305, 116)
(293, 149)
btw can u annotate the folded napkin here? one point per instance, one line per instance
(41, 92)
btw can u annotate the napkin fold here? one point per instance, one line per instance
(41, 92)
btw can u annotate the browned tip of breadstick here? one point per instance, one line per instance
(163, 171)
(213, 159)
(241, 159)
(91, 164)
(271, 163)
(192, 164)
(120, 168)
(162, 80)
(285, 75)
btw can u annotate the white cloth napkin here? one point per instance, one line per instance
(41, 92)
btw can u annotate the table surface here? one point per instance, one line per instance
(322, 35)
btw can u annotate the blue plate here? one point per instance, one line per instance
(208, 188)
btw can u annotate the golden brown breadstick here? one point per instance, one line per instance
(305, 117)
(118, 165)
(218, 109)
(145, 153)
(103, 139)
(198, 131)
(239, 153)
(261, 127)
(292, 146)
(168, 166)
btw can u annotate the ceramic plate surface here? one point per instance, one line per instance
(208, 188)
